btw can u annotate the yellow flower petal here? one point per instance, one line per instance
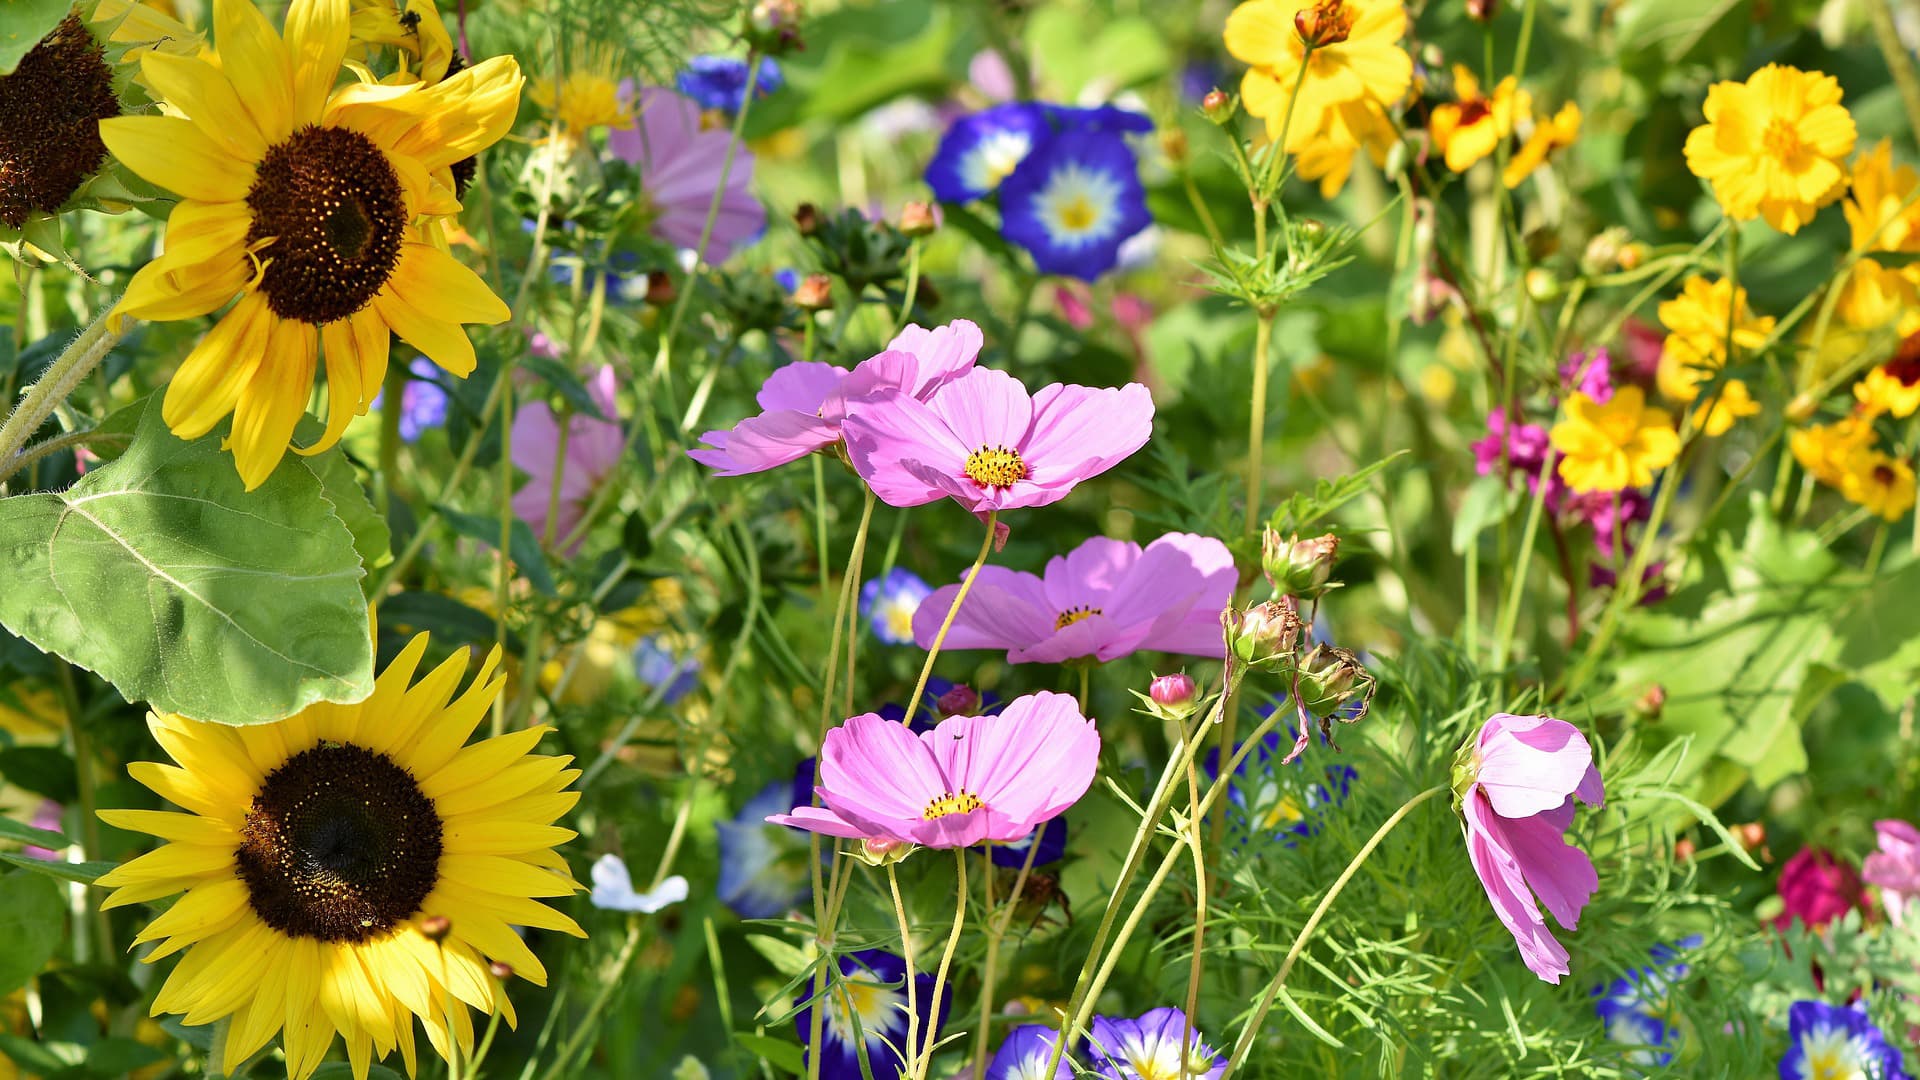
(256, 62)
(177, 155)
(273, 401)
(316, 41)
(203, 93)
(207, 386)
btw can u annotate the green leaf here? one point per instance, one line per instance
(118, 1057)
(22, 24)
(1302, 509)
(161, 573)
(44, 770)
(556, 375)
(788, 1057)
(1488, 499)
(520, 543)
(1120, 53)
(1879, 640)
(340, 1070)
(41, 1058)
(32, 923)
(372, 540)
(27, 834)
(81, 872)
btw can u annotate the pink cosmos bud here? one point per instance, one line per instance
(962, 700)
(1217, 106)
(1169, 691)
(1652, 703)
(1481, 10)
(882, 850)
(500, 970)
(1296, 567)
(1266, 633)
(916, 219)
(1683, 850)
(815, 293)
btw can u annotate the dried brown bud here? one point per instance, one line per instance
(435, 927)
(1297, 567)
(916, 219)
(814, 294)
(1326, 23)
(1482, 10)
(660, 290)
(1266, 632)
(1173, 143)
(806, 218)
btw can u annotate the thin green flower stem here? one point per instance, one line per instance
(1273, 173)
(1877, 549)
(1526, 41)
(1257, 419)
(73, 364)
(461, 466)
(1517, 586)
(1200, 890)
(906, 956)
(396, 385)
(66, 441)
(856, 562)
(559, 471)
(503, 572)
(623, 736)
(953, 609)
(996, 933)
(913, 287)
(1899, 58)
(1230, 722)
(486, 1045)
(925, 1057)
(820, 521)
(1030, 285)
(87, 783)
(1086, 674)
(892, 557)
(608, 985)
(1661, 281)
(1200, 209)
(1248, 1033)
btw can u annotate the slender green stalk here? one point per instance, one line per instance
(1200, 889)
(912, 1049)
(559, 473)
(1517, 586)
(461, 466)
(996, 932)
(922, 1070)
(390, 412)
(820, 522)
(953, 609)
(73, 364)
(913, 287)
(1248, 1033)
(609, 983)
(855, 564)
(1257, 420)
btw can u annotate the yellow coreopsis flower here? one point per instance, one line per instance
(1823, 449)
(1696, 344)
(1471, 127)
(1878, 482)
(1893, 387)
(1881, 211)
(1873, 296)
(1328, 155)
(1357, 58)
(1733, 402)
(304, 200)
(1616, 444)
(1774, 145)
(1549, 134)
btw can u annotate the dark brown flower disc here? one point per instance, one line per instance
(50, 113)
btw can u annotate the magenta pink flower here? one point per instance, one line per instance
(1522, 775)
(593, 449)
(971, 780)
(984, 442)
(805, 403)
(1895, 868)
(1104, 599)
(1818, 887)
(680, 165)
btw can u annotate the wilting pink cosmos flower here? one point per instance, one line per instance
(1895, 868)
(984, 442)
(1516, 783)
(1104, 599)
(593, 449)
(1818, 887)
(680, 166)
(804, 404)
(970, 780)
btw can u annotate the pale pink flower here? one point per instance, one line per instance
(593, 449)
(680, 165)
(804, 404)
(984, 442)
(1104, 599)
(970, 780)
(1522, 776)
(1895, 868)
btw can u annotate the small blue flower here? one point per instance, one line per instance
(980, 150)
(1098, 120)
(657, 665)
(889, 603)
(1073, 202)
(1640, 1008)
(873, 991)
(1836, 1041)
(763, 867)
(1149, 1048)
(1025, 1053)
(720, 82)
(1269, 798)
(788, 279)
(423, 401)
(1052, 841)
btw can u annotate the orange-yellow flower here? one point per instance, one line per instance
(1470, 128)
(1774, 145)
(1824, 449)
(1734, 402)
(1328, 155)
(1879, 483)
(1549, 134)
(1613, 445)
(1367, 64)
(1893, 387)
(1696, 344)
(1881, 209)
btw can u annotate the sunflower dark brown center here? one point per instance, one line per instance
(330, 204)
(50, 113)
(340, 845)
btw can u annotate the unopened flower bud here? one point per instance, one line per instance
(1633, 255)
(806, 219)
(1481, 10)
(1683, 850)
(1651, 703)
(1173, 143)
(1217, 106)
(1396, 159)
(879, 851)
(1801, 408)
(1329, 678)
(1752, 835)
(916, 219)
(1326, 23)
(660, 290)
(1542, 284)
(1296, 567)
(814, 294)
(435, 927)
(1602, 254)
(962, 700)
(1172, 697)
(500, 970)
(1265, 632)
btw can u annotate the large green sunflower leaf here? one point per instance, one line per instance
(22, 24)
(161, 573)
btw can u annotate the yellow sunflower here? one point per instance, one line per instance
(305, 201)
(1774, 146)
(415, 31)
(351, 869)
(1359, 60)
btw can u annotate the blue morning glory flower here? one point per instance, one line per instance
(720, 82)
(763, 867)
(1837, 1041)
(981, 150)
(657, 665)
(1639, 1009)
(1270, 798)
(1149, 1048)
(1073, 201)
(874, 992)
(1100, 119)
(889, 603)
(1024, 1056)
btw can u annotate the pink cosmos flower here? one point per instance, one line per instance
(1817, 888)
(1895, 868)
(970, 780)
(593, 449)
(984, 442)
(1522, 776)
(804, 404)
(1104, 599)
(680, 166)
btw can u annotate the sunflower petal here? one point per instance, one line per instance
(175, 154)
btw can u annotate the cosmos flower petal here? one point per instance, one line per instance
(1080, 431)
(1531, 764)
(1506, 887)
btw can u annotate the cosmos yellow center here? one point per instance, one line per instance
(995, 467)
(1782, 139)
(1073, 615)
(339, 844)
(954, 802)
(328, 221)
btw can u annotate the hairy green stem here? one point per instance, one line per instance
(75, 363)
